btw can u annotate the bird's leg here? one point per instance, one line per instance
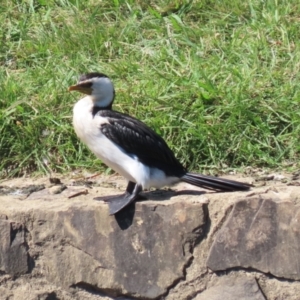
(119, 202)
(111, 198)
(130, 187)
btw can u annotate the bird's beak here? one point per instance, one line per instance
(73, 88)
(80, 88)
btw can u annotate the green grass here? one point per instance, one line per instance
(219, 80)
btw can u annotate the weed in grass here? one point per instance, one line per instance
(219, 80)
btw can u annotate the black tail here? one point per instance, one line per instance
(214, 183)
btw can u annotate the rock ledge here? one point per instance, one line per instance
(180, 244)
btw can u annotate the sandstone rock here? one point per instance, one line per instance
(57, 189)
(141, 252)
(71, 249)
(13, 249)
(261, 233)
(234, 289)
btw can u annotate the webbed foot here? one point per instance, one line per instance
(118, 202)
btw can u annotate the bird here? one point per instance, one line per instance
(130, 147)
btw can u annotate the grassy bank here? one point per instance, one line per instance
(218, 79)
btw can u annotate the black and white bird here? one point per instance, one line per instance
(130, 147)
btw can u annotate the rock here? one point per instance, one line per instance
(53, 246)
(55, 180)
(234, 289)
(141, 252)
(140, 256)
(276, 177)
(57, 189)
(261, 233)
(13, 249)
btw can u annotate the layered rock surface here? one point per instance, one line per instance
(183, 243)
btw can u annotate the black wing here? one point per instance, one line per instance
(137, 139)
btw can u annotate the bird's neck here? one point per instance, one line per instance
(83, 107)
(101, 104)
(91, 105)
(103, 96)
(84, 112)
(95, 109)
(101, 101)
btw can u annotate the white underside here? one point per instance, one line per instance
(87, 128)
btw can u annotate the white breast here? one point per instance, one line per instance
(88, 130)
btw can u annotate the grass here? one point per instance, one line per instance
(219, 80)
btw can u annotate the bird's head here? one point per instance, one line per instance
(98, 86)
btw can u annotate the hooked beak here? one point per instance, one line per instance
(81, 88)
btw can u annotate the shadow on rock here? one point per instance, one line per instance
(125, 217)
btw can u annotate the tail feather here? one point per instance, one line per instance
(214, 183)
